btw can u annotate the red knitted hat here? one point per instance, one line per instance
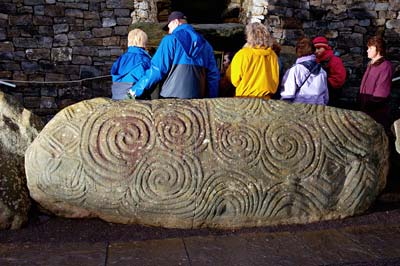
(321, 42)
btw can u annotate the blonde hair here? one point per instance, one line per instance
(257, 35)
(138, 38)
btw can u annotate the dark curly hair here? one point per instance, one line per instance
(304, 46)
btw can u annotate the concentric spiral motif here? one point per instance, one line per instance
(292, 147)
(64, 179)
(237, 144)
(363, 182)
(281, 108)
(292, 198)
(309, 109)
(188, 164)
(113, 140)
(228, 194)
(181, 126)
(348, 129)
(237, 109)
(81, 109)
(165, 183)
(34, 158)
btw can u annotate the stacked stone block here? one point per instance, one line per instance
(63, 40)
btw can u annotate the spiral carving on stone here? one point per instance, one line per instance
(228, 194)
(309, 109)
(237, 143)
(165, 183)
(237, 109)
(114, 139)
(208, 162)
(81, 109)
(64, 139)
(281, 108)
(364, 182)
(181, 126)
(291, 147)
(64, 179)
(346, 130)
(36, 157)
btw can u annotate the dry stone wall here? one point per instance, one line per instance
(347, 24)
(63, 40)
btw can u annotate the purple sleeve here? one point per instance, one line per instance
(384, 80)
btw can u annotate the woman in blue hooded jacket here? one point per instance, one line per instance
(131, 65)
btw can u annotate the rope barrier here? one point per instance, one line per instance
(7, 81)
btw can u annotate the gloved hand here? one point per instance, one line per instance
(131, 94)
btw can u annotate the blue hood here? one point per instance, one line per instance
(192, 42)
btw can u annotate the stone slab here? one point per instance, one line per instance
(147, 253)
(222, 163)
(66, 254)
(383, 242)
(360, 245)
(333, 245)
(249, 249)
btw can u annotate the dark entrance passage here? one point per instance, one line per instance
(201, 11)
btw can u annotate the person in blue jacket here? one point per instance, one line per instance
(131, 65)
(186, 62)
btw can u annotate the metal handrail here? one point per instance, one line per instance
(7, 84)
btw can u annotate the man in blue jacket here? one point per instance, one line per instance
(185, 60)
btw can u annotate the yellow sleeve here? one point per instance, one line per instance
(275, 73)
(236, 69)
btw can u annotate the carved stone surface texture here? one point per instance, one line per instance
(396, 132)
(18, 129)
(223, 163)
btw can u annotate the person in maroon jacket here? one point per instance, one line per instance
(376, 83)
(333, 66)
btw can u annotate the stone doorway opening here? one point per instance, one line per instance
(201, 11)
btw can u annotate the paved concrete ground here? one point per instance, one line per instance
(371, 239)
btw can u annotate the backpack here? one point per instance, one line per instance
(313, 67)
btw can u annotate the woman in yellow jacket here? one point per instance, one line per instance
(254, 70)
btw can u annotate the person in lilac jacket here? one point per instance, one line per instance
(376, 83)
(306, 81)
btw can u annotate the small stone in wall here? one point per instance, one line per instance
(109, 22)
(37, 54)
(61, 54)
(60, 40)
